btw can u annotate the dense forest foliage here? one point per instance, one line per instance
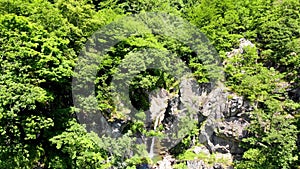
(40, 41)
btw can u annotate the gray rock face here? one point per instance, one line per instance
(192, 95)
(226, 116)
(221, 114)
(240, 50)
(199, 164)
(166, 163)
(243, 43)
(158, 104)
(225, 122)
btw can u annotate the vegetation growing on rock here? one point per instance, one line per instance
(40, 41)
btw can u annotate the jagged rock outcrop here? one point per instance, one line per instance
(166, 163)
(225, 122)
(222, 115)
(243, 43)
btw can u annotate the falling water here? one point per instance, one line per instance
(151, 151)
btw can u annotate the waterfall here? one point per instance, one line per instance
(151, 151)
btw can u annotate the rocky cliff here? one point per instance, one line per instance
(221, 114)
